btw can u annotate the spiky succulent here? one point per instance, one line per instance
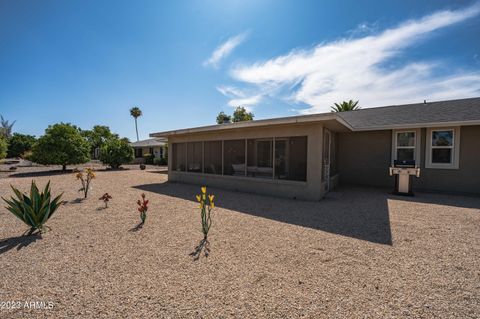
(33, 210)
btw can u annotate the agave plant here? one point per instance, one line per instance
(34, 210)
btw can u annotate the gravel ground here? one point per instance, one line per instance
(360, 253)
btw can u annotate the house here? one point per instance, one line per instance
(154, 146)
(306, 156)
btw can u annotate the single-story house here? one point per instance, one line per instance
(306, 156)
(153, 146)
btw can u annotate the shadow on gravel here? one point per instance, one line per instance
(19, 242)
(357, 213)
(42, 173)
(459, 200)
(136, 228)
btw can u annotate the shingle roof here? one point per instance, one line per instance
(453, 111)
(149, 143)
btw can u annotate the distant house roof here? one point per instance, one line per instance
(149, 142)
(452, 112)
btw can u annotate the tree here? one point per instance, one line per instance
(136, 113)
(223, 118)
(19, 144)
(345, 106)
(240, 114)
(3, 147)
(116, 152)
(6, 127)
(97, 137)
(63, 145)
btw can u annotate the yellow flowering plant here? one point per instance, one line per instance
(85, 179)
(206, 205)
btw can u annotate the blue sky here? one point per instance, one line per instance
(181, 62)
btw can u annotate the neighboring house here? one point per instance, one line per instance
(153, 146)
(305, 156)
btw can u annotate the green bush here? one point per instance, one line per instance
(116, 152)
(63, 145)
(149, 158)
(159, 161)
(3, 147)
(34, 210)
(19, 144)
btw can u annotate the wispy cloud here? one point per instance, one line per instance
(224, 50)
(359, 68)
(239, 97)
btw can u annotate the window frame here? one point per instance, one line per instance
(416, 147)
(455, 147)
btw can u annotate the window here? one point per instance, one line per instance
(161, 152)
(291, 158)
(443, 148)
(179, 156)
(260, 158)
(213, 157)
(194, 157)
(234, 157)
(406, 145)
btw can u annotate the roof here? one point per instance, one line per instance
(452, 112)
(248, 124)
(460, 112)
(149, 143)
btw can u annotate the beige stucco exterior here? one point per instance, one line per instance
(364, 159)
(361, 157)
(312, 189)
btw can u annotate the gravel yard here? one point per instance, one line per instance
(360, 253)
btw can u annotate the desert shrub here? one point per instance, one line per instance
(116, 152)
(19, 144)
(149, 158)
(3, 147)
(63, 145)
(34, 210)
(85, 180)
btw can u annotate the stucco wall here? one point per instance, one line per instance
(312, 189)
(364, 158)
(466, 179)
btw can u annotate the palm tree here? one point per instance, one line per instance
(345, 106)
(136, 112)
(6, 127)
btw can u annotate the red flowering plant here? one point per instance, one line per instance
(142, 208)
(106, 198)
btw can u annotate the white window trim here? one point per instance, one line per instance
(416, 151)
(456, 149)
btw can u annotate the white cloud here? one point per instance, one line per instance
(224, 50)
(239, 97)
(356, 69)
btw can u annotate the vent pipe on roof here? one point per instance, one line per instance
(424, 101)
